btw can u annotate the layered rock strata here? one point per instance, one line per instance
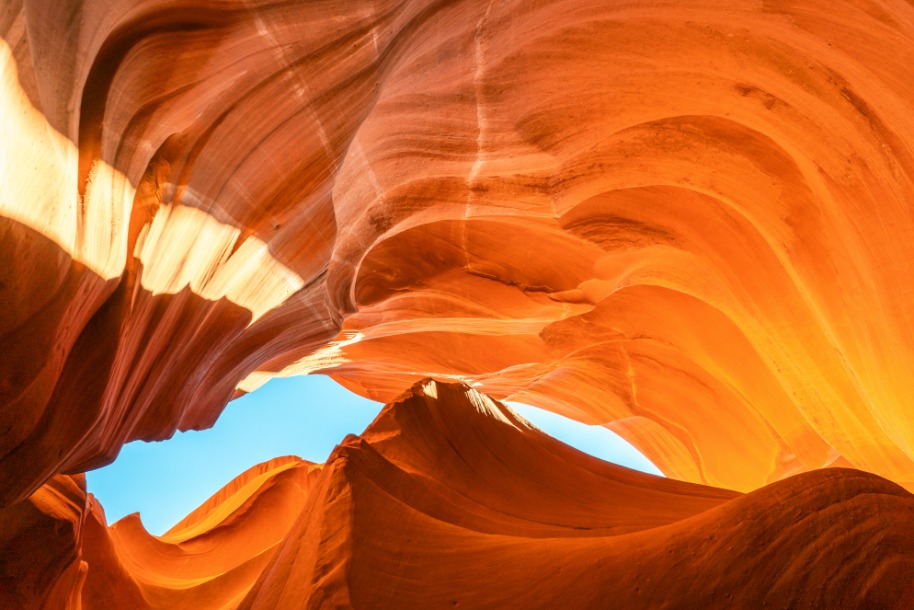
(450, 499)
(686, 221)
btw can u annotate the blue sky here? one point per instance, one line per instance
(303, 416)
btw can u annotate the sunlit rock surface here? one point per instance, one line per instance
(687, 221)
(450, 499)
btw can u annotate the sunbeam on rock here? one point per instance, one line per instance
(688, 222)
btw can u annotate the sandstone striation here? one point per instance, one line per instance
(450, 499)
(200, 196)
(687, 221)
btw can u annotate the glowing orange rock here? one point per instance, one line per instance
(687, 221)
(451, 499)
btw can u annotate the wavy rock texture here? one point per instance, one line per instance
(450, 499)
(687, 221)
(56, 550)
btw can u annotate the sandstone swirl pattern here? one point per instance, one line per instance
(433, 507)
(688, 221)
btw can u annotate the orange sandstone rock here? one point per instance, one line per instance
(451, 499)
(686, 221)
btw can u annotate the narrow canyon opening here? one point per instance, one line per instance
(688, 222)
(304, 416)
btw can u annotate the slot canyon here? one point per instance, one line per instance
(691, 222)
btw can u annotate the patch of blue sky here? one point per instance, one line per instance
(303, 416)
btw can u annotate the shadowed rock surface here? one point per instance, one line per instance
(687, 221)
(450, 499)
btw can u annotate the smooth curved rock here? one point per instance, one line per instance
(684, 222)
(687, 221)
(451, 499)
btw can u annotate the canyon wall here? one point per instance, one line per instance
(686, 221)
(450, 499)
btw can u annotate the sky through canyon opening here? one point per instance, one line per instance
(306, 416)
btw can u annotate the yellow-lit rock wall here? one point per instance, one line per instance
(690, 222)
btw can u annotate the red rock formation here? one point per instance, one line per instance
(57, 551)
(683, 221)
(450, 499)
(687, 221)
